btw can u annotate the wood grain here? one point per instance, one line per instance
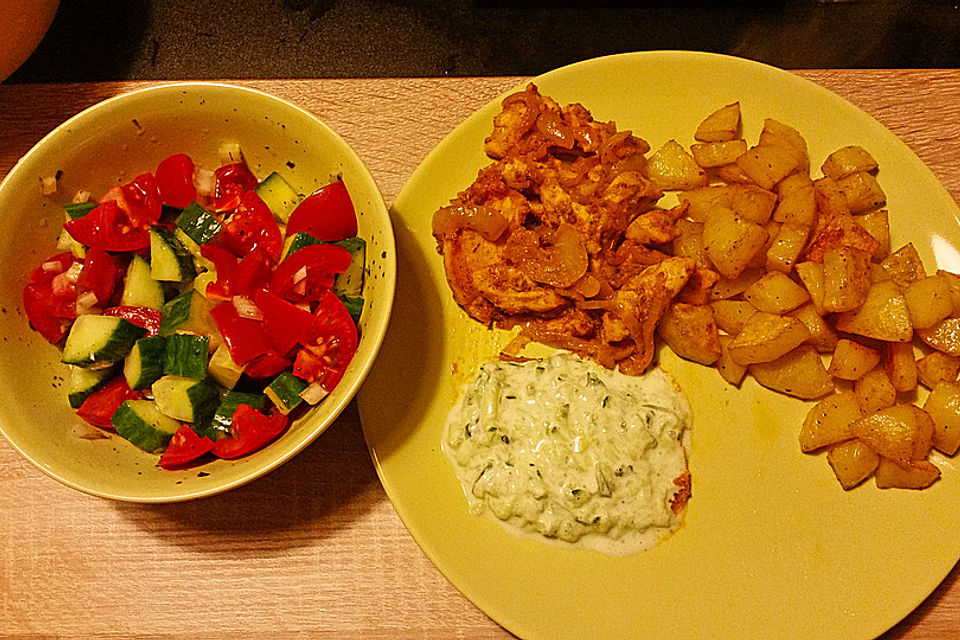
(315, 549)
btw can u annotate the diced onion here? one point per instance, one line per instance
(50, 266)
(86, 301)
(552, 127)
(48, 185)
(73, 273)
(314, 393)
(488, 223)
(246, 308)
(229, 153)
(81, 196)
(204, 180)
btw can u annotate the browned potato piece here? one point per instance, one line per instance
(731, 242)
(954, 281)
(732, 371)
(787, 245)
(690, 331)
(840, 231)
(776, 293)
(916, 475)
(689, 244)
(796, 200)
(862, 191)
(720, 125)
(830, 199)
(730, 287)
(768, 164)
(766, 337)
(822, 335)
(799, 373)
(746, 200)
(929, 300)
(936, 367)
(777, 134)
(846, 279)
(811, 275)
(943, 405)
(852, 462)
(851, 360)
(882, 316)
(848, 160)
(902, 432)
(717, 154)
(877, 224)
(874, 391)
(901, 366)
(904, 265)
(943, 336)
(731, 315)
(828, 421)
(733, 174)
(672, 167)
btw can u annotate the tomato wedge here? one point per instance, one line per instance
(231, 182)
(327, 214)
(102, 404)
(109, 228)
(307, 272)
(185, 446)
(245, 337)
(175, 180)
(144, 317)
(249, 430)
(252, 272)
(252, 225)
(39, 306)
(225, 264)
(268, 365)
(139, 199)
(332, 341)
(99, 275)
(285, 323)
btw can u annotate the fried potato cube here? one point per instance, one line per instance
(852, 462)
(731, 242)
(822, 336)
(799, 373)
(862, 191)
(796, 201)
(904, 265)
(848, 160)
(846, 279)
(954, 281)
(717, 154)
(919, 474)
(877, 224)
(903, 432)
(731, 370)
(786, 247)
(690, 331)
(874, 391)
(689, 244)
(929, 300)
(731, 315)
(851, 360)
(776, 293)
(840, 231)
(901, 366)
(943, 405)
(778, 134)
(730, 287)
(936, 367)
(883, 315)
(828, 421)
(760, 257)
(767, 164)
(672, 167)
(766, 337)
(811, 275)
(830, 199)
(746, 200)
(723, 124)
(732, 174)
(943, 336)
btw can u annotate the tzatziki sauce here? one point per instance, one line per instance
(566, 450)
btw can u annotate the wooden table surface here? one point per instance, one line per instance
(315, 548)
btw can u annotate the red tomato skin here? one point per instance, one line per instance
(250, 430)
(144, 317)
(327, 214)
(321, 261)
(231, 182)
(99, 275)
(225, 262)
(101, 405)
(64, 260)
(284, 323)
(175, 180)
(141, 201)
(252, 225)
(252, 272)
(107, 227)
(268, 365)
(331, 344)
(185, 446)
(37, 305)
(244, 337)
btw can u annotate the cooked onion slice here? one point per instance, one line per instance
(555, 257)
(552, 127)
(488, 223)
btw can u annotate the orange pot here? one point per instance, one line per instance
(23, 26)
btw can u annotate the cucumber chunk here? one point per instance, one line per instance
(79, 209)
(354, 307)
(223, 417)
(97, 341)
(85, 382)
(186, 399)
(144, 363)
(141, 423)
(169, 259)
(186, 355)
(189, 312)
(350, 282)
(139, 287)
(199, 225)
(285, 390)
(297, 241)
(279, 196)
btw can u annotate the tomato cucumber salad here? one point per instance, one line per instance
(197, 309)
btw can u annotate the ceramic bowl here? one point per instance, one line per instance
(110, 143)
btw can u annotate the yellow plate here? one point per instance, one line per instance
(771, 546)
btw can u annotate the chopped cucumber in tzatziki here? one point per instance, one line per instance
(564, 449)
